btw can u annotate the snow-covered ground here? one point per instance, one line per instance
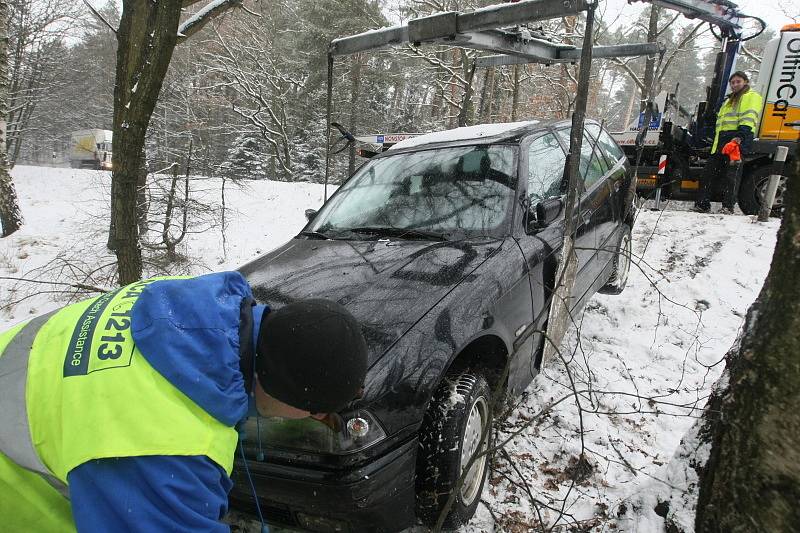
(66, 215)
(647, 360)
(644, 361)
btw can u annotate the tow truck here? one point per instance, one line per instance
(677, 142)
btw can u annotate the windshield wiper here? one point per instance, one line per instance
(315, 235)
(400, 233)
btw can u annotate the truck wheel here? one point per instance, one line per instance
(458, 424)
(621, 264)
(679, 169)
(754, 188)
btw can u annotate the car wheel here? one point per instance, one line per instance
(458, 424)
(621, 264)
(754, 188)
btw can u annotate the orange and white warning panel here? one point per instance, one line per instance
(662, 164)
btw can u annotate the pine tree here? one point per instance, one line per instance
(246, 159)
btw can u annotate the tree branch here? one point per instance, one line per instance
(680, 48)
(100, 17)
(81, 286)
(639, 83)
(197, 21)
(750, 54)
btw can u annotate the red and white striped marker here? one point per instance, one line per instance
(662, 164)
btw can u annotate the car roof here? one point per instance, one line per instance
(480, 134)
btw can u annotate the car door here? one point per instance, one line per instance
(543, 162)
(620, 171)
(590, 214)
(606, 215)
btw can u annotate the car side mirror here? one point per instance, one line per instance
(547, 211)
(310, 214)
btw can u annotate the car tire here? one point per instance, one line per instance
(460, 413)
(753, 189)
(621, 264)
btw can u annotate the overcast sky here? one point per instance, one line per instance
(772, 11)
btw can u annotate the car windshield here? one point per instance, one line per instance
(430, 195)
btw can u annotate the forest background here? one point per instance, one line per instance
(248, 94)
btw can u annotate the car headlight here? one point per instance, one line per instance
(337, 434)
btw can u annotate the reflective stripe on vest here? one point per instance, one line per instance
(745, 113)
(15, 439)
(101, 398)
(75, 388)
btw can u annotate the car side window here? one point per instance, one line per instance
(546, 161)
(591, 169)
(610, 148)
(591, 134)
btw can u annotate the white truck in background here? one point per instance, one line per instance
(90, 149)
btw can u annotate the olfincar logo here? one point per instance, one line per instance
(787, 89)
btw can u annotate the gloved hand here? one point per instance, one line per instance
(733, 151)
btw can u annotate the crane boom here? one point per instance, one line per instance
(721, 13)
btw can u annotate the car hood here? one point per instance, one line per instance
(387, 285)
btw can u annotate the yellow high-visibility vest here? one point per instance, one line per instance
(73, 388)
(746, 113)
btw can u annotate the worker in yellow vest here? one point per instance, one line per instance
(119, 413)
(737, 120)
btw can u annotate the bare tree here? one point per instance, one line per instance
(659, 29)
(261, 80)
(37, 30)
(146, 38)
(10, 216)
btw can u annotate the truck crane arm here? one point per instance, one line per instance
(721, 13)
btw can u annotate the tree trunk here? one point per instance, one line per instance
(650, 62)
(142, 204)
(515, 94)
(482, 102)
(437, 102)
(10, 216)
(355, 89)
(465, 112)
(146, 39)
(491, 97)
(751, 481)
(165, 238)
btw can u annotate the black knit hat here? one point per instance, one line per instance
(311, 355)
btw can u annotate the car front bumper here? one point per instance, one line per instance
(376, 497)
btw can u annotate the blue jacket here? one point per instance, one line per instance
(188, 330)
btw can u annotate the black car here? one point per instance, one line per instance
(444, 248)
